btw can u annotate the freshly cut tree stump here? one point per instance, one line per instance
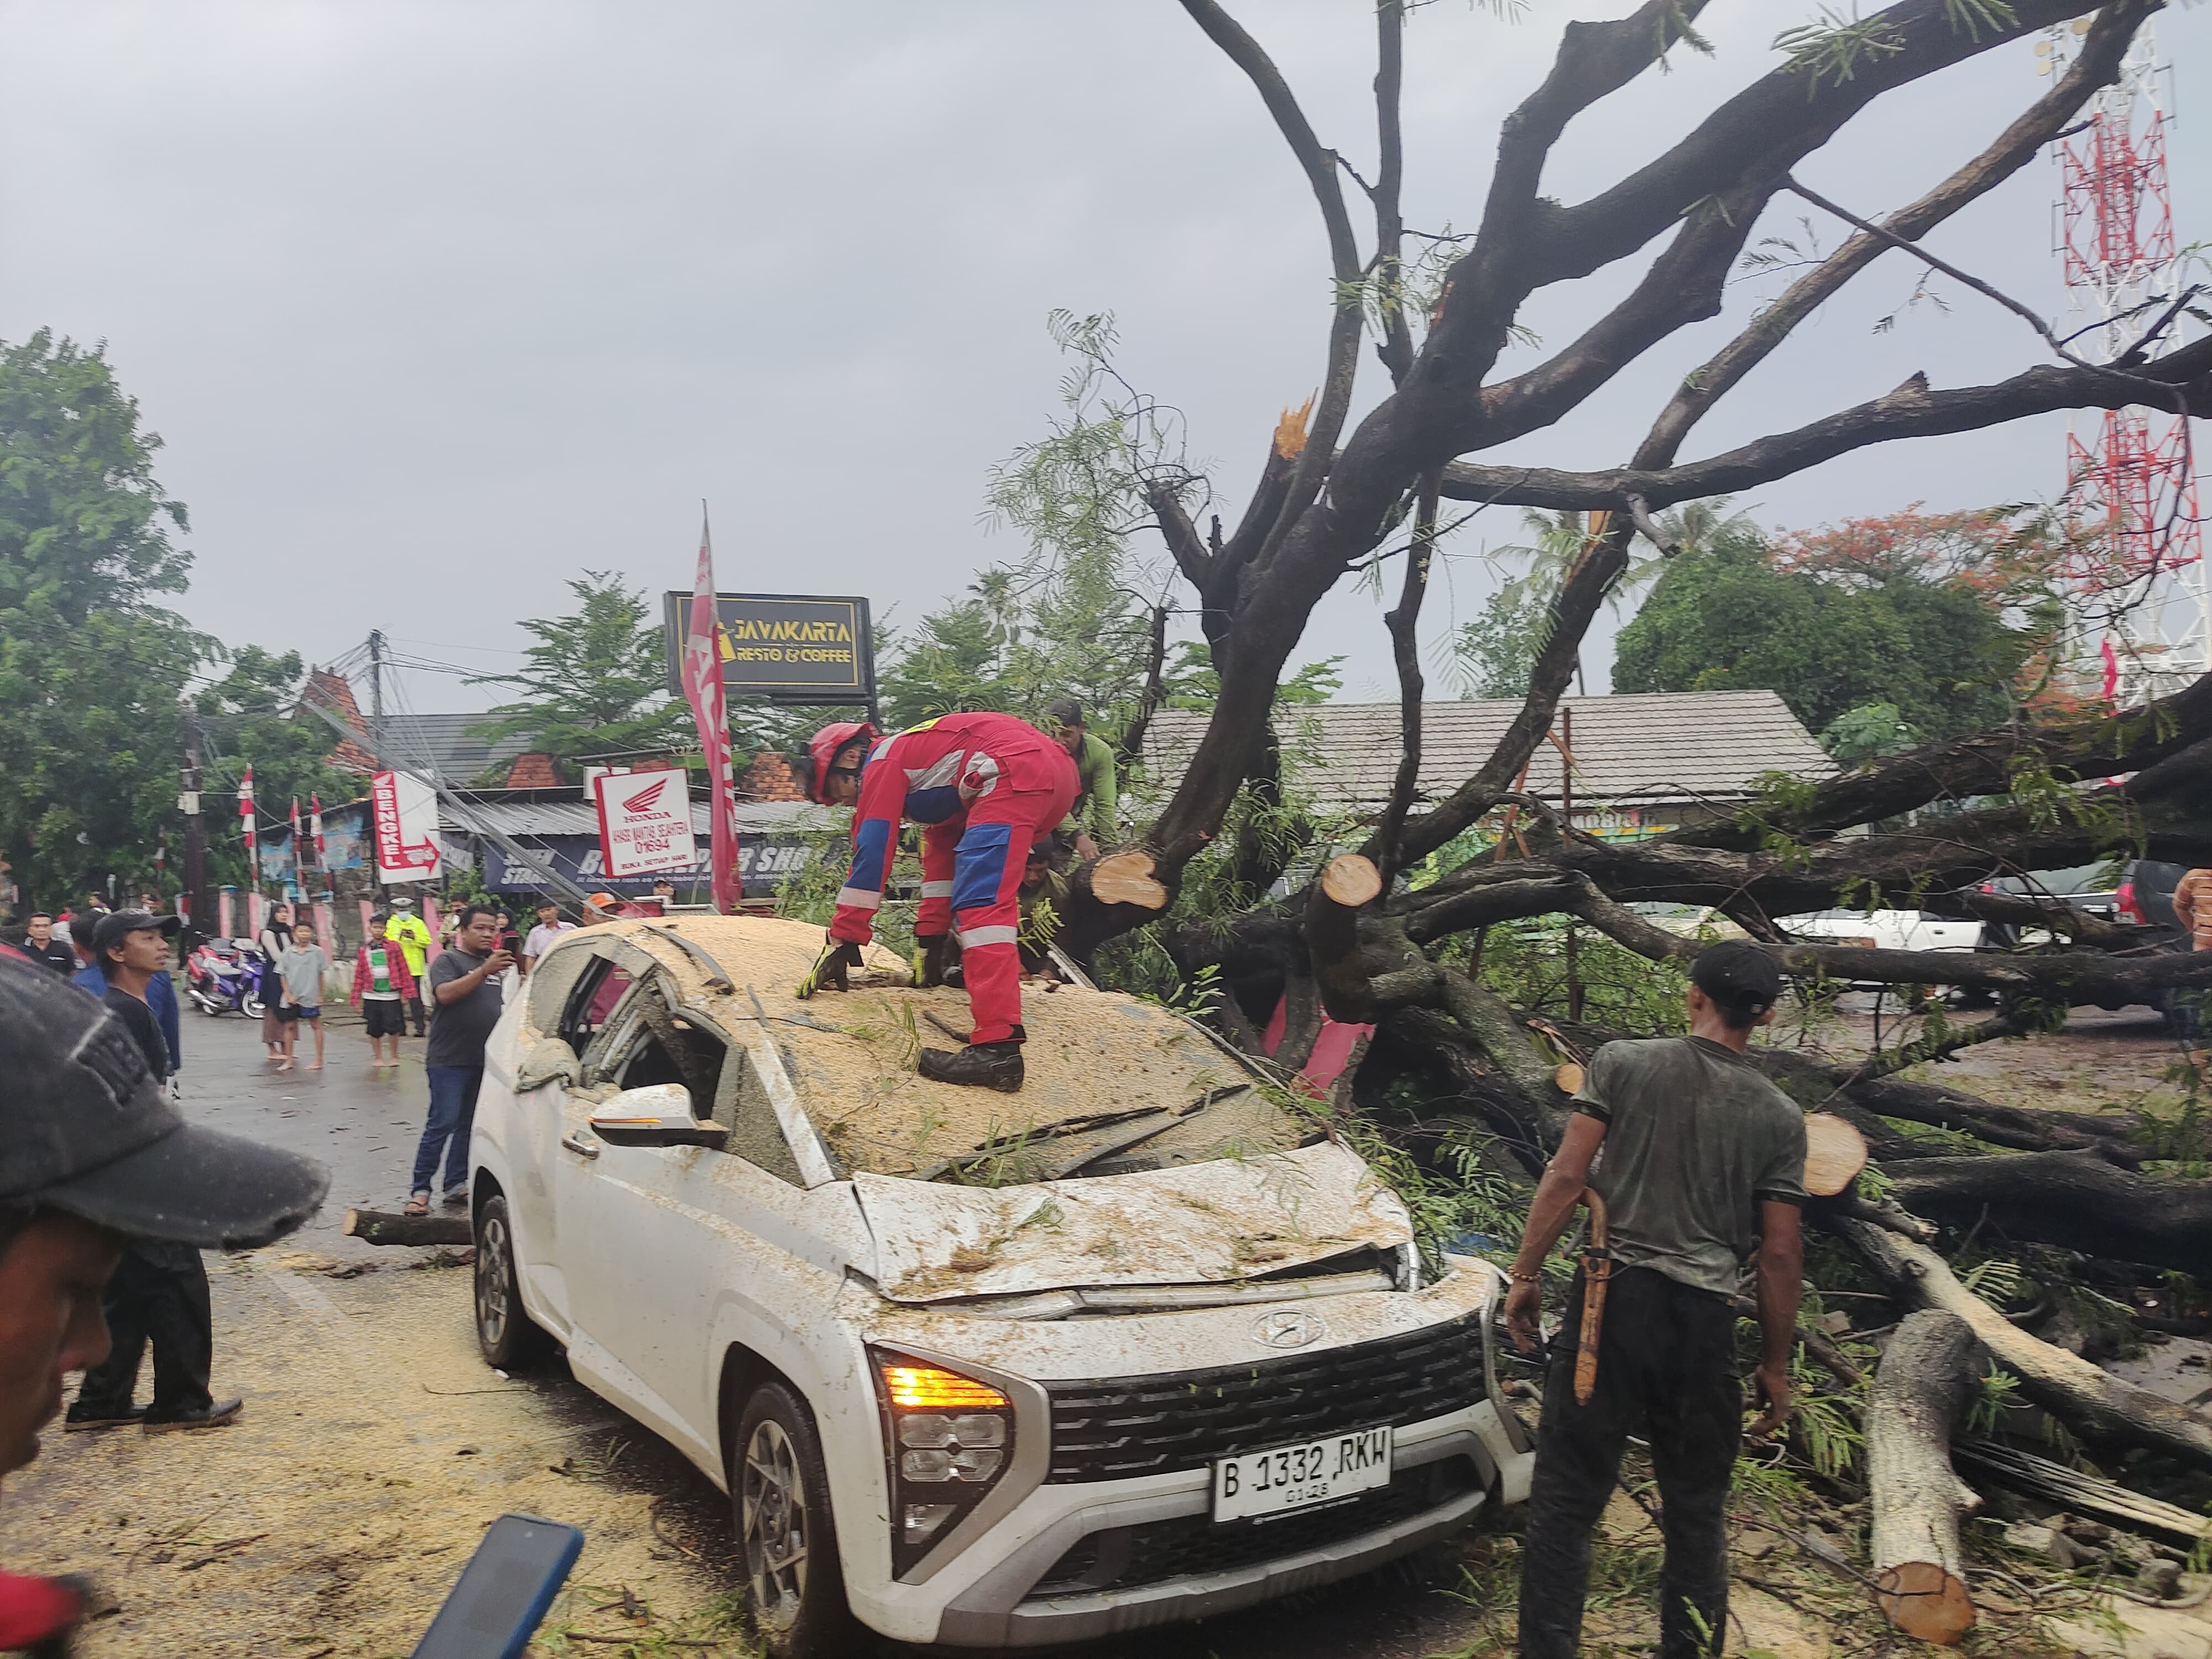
(1917, 1499)
(1835, 1152)
(1126, 879)
(382, 1227)
(1352, 880)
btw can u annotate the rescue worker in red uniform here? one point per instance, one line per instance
(982, 786)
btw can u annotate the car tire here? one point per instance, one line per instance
(506, 1335)
(779, 1507)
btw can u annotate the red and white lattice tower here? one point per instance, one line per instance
(2131, 482)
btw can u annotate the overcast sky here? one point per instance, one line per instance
(439, 304)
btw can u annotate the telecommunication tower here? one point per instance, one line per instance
(2131, 484)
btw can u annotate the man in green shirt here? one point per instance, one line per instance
(1704, 1168)
(412, 935)
(1096, 816)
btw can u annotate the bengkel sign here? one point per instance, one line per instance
(645, 822)
(406, 812)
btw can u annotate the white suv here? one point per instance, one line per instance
(976, 1369)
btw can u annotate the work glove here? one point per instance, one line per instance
(838, 958)
(931, 953)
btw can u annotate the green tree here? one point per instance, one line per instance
(596, 683)
(92, 666)
(1725, 617)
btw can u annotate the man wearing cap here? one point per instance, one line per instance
(408, 931)
(160, 994)
(92, 1155)
(1095, 819)
(159, 1294)
(1704, 1166)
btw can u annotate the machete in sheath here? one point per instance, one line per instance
(1597, 1270)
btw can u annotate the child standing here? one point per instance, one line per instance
(382, 988)
(303, 964)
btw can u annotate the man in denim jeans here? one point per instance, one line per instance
(464, 1005)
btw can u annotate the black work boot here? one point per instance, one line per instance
(980, 1065)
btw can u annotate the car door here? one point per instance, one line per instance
(678, 1233)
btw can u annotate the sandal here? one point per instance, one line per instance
(418, 1205)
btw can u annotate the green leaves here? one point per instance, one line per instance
(1834, 49)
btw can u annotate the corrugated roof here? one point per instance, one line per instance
(1662, 747)
(444, 742)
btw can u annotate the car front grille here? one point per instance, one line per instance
(1125, 1557)
(1133, 1426)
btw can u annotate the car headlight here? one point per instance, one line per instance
(950, 1437)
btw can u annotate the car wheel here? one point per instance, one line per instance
(780, 1500)
(505, 1334)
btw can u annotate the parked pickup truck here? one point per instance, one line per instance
(1136, 1345)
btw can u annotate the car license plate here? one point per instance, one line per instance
(1301, 1476)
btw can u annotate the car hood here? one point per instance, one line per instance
(1228, 1219)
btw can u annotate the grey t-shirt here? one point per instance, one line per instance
(303, 967)
(459, 1029)
(1695, 1137)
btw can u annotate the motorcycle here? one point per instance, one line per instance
(224, 977)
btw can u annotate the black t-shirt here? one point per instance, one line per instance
(55, 954)
(138, 1020)
(459, 1029)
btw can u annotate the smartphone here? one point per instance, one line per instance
(504, 1591)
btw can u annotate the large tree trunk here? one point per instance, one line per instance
(1917, 1499)
(2071, 1200)
(2103, 1406)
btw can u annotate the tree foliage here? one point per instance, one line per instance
(92, 664)
(251, 716)
(1831, 634)
(597, 683)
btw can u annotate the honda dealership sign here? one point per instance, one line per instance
(645, 821)
(784, 647)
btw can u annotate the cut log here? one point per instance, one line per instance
(1350, 880)
(1570, 1076)
(2100, 1405)
(1126, 879)
(1835, 1152)
(1915, 1498)
(382, 1227)
(2072, 1200)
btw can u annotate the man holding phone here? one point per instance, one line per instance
(465, 1001)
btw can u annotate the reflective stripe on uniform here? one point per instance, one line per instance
(936, 890)
(859, 898)
(971, 938)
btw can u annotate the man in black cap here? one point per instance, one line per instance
(91, 1155)
(159, 1293)
(1704, 1166)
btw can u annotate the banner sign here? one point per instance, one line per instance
(645, 821)
(765, 863)
(406, 811)
(785, 648)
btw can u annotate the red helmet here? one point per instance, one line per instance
(822, 753)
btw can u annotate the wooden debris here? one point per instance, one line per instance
(382, 1227)
(1835, 1152)
(2083, 1494)
(1915, 1498)
(1126, 879)
(1350, 880)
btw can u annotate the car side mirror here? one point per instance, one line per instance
(659, 1115)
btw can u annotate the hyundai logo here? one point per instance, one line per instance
(1287, 1327)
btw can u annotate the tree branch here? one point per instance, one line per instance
(1404, 623)
(1396, 346)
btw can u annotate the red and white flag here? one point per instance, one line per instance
(315, 826)
(299, 852)
(2112, 671)
(246, 812)
(702, 688)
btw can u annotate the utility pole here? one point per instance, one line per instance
(202, 901)
(376, 683)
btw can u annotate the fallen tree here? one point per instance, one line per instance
(1917, 1499)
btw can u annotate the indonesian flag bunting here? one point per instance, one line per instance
(299, 860)
(702, 689)
(315, 826)
(246, 812)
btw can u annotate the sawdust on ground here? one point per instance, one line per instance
(332, 1518)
